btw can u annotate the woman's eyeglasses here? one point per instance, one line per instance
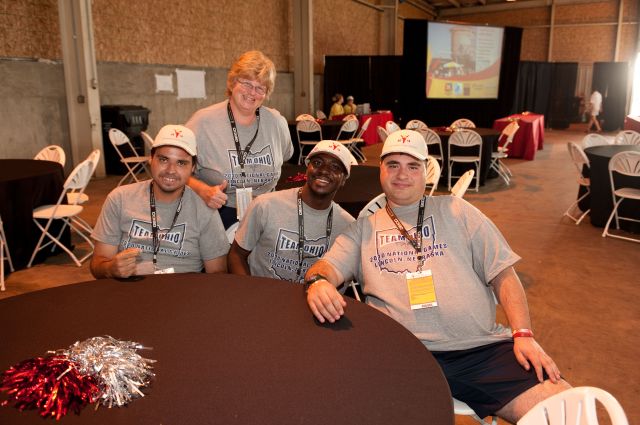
(260, 90)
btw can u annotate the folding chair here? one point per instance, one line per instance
(69, 214)
(355, 150)
(594, 139)
(148, 141)
(303, 129)
(433, 173)
(462, 123)
(382, 134)
(305, 117)
(347, 131)
(580, 160)
(135, 164)
(391, 126)
(627, 137)
(74, 196)
(462, 409)
(467, 139)
(575, 406)
(503, 151)
(460, 188)
(627, 164)
(52, 153)
(321, 115)
(432, 139)
(4, 250)
(416, 125)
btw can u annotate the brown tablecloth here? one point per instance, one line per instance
(234, 350)
(24, 185)
(362, 186)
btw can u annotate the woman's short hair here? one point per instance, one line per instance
(252, 65)
(337, 97)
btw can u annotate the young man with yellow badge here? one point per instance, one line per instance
(434, 265)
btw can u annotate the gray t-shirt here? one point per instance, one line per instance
(217, 156)
(197, 236)
(464, 251)
(270, 231)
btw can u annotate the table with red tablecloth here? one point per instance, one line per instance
(377, 119)
(528, 139)
(632, 123)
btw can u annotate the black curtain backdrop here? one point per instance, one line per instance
(610, 78)
(438, 112)
(369, 79)
(547, 88)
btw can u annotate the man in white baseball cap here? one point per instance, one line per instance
(283, 233)
(434, 265)
(160, 225)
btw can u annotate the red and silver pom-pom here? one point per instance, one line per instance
(51, 384)
(119, 370)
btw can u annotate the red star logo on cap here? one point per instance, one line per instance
(334, 146)
(404, 138)
(177, 133)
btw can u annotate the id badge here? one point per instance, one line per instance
(168, 270)
(243, 199)
(422, 291)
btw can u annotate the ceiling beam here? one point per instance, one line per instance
(454, 2)
(499, 7)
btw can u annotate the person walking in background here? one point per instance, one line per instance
(595, 107)
(336, 108)
(241, 144)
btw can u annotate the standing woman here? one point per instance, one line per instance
(241, 144)
(336, 108)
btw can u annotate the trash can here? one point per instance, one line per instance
(131, 120)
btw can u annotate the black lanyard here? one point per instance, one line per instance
(301, 233)
(155, 230)
(415, 243)
(242, 155)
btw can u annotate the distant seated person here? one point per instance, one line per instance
(268, 241)
(160, 225)
(336, 108)
(350, 106)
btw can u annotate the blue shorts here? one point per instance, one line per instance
(486, 377)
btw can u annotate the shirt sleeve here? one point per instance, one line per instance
(344, 254)
(251, 228)
(213, 238)
(107, 228)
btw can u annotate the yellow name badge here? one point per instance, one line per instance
(422, 291)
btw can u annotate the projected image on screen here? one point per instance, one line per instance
(463, 61)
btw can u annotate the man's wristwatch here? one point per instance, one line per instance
(313, 279)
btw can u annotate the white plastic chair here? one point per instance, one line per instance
(303, 129)
(460, 188)
(135, 163)
(4, 251)
(382, 134)
(580, 160)
(433, 173)
(416, 125)
(628, 164)
(373, 205)
(148, 141)
(462, 409)
(321, 115)
(353, 147)
(52, 153)
(432, 139)
(74, 196)
(465, 138)
(627, 137)
(462, 123)
(391, 126)
(68, 214)
(347, 131)
(503, 151)
(305, 117)
(594, 139)
(575, 406)
(350, 117)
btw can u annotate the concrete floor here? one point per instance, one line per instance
(583, 290)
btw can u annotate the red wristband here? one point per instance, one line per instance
(519, 333)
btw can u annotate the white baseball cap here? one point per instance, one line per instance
(336, 149)
(178, 136)
(405, 141)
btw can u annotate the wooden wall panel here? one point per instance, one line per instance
(30, 29)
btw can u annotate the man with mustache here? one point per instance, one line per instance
(285, 232)
(434, 265)
(160, 225)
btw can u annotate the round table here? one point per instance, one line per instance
(362, 185)
(234, 350)
(601, 200)
(24, 185)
